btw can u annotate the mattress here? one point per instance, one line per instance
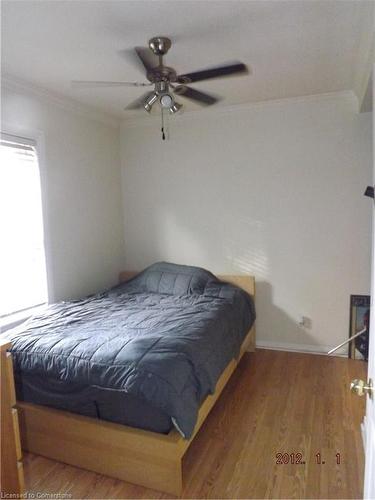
(144, 353)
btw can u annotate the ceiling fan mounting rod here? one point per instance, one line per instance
(160, 45)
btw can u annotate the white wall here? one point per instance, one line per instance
(81, 192)
(274, 190)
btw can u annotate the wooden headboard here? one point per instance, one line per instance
(246, 282)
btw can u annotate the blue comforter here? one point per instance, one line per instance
(165, 336)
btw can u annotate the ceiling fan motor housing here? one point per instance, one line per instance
(162, 74)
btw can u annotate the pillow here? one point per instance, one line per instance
(172, 279)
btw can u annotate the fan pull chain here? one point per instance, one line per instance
(162, 124)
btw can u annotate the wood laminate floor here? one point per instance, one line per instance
(276, 402)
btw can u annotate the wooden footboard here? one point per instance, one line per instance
(141, 457)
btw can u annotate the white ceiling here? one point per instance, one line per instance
(294, 48)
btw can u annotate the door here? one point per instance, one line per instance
(369, 486)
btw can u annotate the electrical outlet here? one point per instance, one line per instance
(306, 322)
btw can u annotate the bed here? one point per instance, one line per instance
(161, 345)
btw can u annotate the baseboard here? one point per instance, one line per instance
(303, 348)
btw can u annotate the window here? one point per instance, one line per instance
(23, 280)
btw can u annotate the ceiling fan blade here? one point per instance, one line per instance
(139, 102)
(219, 71)
(196, 95)
(93, 83)
(131, 58)
(148, 58)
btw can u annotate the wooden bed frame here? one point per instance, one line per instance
(142, 457)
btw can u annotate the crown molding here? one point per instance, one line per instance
(17, 85)
(13, 84)
(346, 95)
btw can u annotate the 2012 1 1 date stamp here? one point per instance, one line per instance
(297, 459)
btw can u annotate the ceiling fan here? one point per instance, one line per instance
(165, 80)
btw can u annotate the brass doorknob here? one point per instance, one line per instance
(360, 387)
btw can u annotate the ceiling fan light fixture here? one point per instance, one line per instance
(150, 101)
(166, 101)
(175, 108)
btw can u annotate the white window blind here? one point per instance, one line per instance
(23, 280)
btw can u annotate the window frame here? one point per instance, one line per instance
(36, 139)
